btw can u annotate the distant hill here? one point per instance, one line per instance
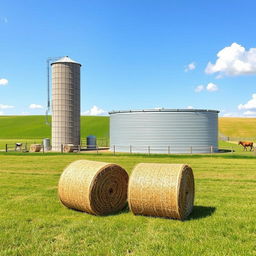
(237, 127)
(30, 127)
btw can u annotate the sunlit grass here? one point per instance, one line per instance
(33, 221)
(237, 127)
(34, 127)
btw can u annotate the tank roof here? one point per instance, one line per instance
(164, 110)
(65, 59)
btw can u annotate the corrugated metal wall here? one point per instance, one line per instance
(65, 103)
(173, 131)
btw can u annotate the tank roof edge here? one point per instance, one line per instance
(163, 110)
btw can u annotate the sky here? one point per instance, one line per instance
(134, 54)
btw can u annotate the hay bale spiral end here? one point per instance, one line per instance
(94, 187)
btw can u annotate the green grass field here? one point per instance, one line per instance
(34, 127)
(238, 127)
(33, 221)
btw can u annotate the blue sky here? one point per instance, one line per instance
(135, 54)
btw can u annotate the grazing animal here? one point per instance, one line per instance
(246, 144)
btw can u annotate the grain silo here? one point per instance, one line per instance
(164, 131)
(65, 103)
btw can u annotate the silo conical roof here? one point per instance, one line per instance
(65, 59)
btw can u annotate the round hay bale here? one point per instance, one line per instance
(35, 147)
(94, 187)
(68, 148)
(162, 190)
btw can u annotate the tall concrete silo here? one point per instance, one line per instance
(65, 103)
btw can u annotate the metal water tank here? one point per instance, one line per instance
(91, 142)
(47, 144)
(164, 131)
(65, 103)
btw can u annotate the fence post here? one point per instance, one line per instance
(114, 149)
(211, 149)
(97, 149)
(191, 150)
(43, 148)
(6, 147)
(61, 147)
(130, 149)
(149, 150)
(79, 148)
(169, 150)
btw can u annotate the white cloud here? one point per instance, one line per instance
(95, 111)
(1, 113)
(246, 114)
(35, 106)
(190, 107)
(3, 81)
(249, 113)
(211, 87)
(233, 60)
(250, 105)
(190, 66)
(199, 88)
(2, 106)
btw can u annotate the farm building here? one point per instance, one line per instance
(65, 103)
(164, 131)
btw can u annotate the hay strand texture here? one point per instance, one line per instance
(94, 187)
(161, 190)
(35, 147)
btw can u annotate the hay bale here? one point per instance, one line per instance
(35, 147)
(93, 187)
(163, 190)
(68, 148)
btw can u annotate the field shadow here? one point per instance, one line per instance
(225, 150)
(124, 210)
(200, 212)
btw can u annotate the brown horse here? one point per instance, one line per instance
(246, 144)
